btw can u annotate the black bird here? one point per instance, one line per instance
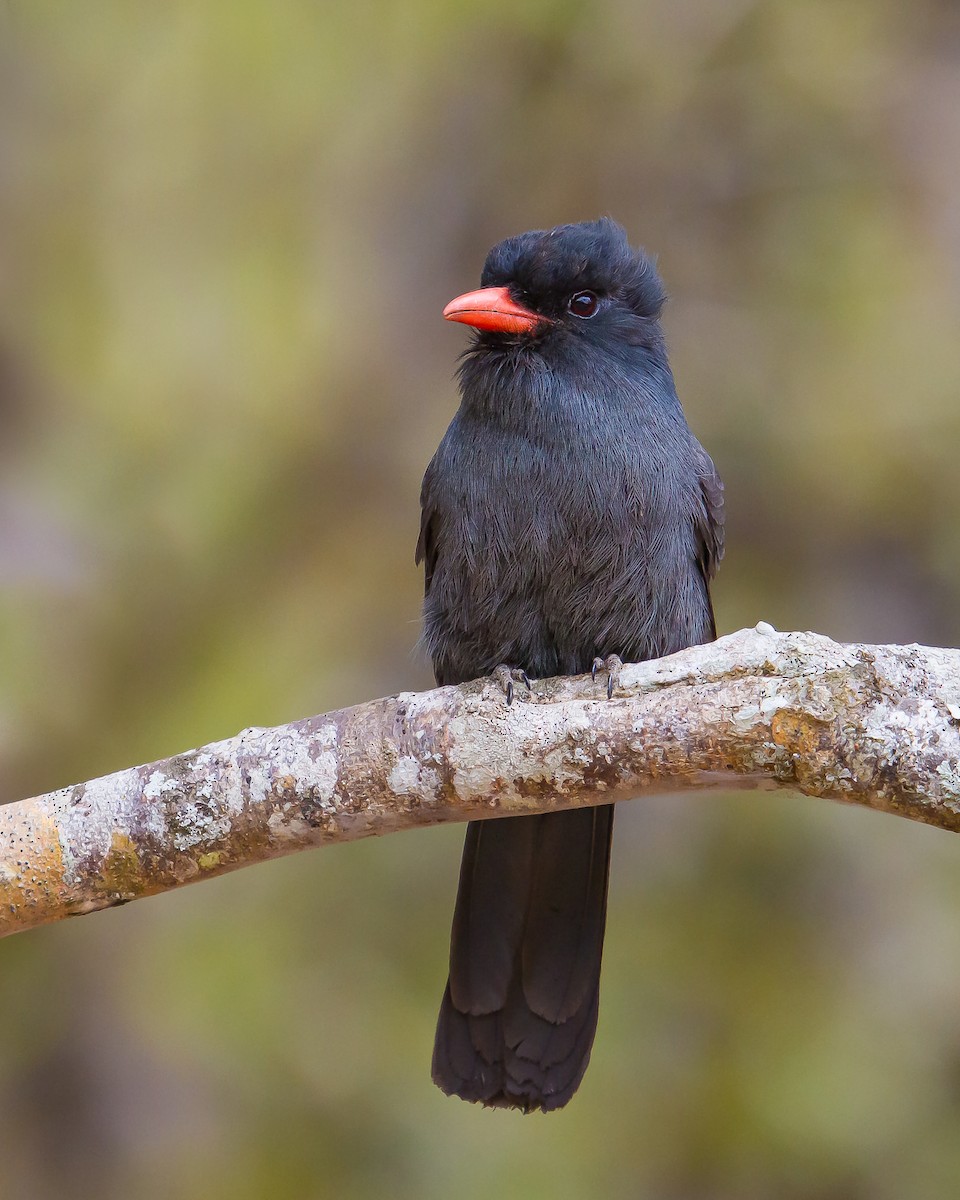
(570, 520)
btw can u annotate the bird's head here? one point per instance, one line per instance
(565, 289)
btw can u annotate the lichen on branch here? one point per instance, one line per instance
(871, 725)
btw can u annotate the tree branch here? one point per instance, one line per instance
(871, 725)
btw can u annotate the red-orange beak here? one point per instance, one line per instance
(492, 308)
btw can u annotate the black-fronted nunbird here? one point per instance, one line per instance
(570, 520)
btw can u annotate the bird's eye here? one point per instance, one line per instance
(583, 304)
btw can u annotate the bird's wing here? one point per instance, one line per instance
(427, 541)
(708, 523)
(710, 516)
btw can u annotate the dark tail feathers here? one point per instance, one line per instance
(520, 1010)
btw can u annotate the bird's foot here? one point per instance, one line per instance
(613, 665)
(507, 677)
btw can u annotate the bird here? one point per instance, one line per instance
(570, 522)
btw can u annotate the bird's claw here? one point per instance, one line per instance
(506, 677)
(613, 665)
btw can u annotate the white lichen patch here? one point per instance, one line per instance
(86, 828)
(310, 760)
(556, 747)
(404, 776)
(326, 771)
(408, 777)
(770, 705)
(558, 763)
(257, 780)
(159, 784)
(949, 777)
(471, 780)
(196, 824)
(744, 717)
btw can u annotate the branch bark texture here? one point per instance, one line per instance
(871, 725)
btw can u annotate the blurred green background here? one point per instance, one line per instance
(228, 230)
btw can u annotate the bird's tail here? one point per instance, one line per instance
(520, 1010)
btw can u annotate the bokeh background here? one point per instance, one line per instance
(227, 230)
